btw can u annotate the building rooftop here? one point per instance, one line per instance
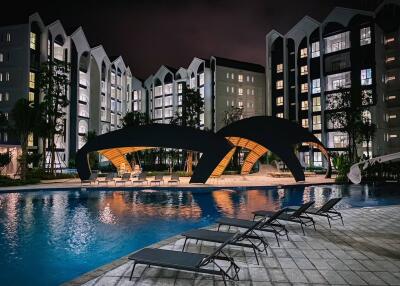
(239, 65)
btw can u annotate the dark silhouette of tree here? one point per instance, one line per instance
(22, 123)
(53, 83)
(135, 118)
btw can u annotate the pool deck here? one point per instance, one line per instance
(365, 251)
(224, 181)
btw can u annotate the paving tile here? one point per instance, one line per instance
(295, 275)
(388, 277)
(370, 278)
(351, 278)
(313, 276)
(332, 277)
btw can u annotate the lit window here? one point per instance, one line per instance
(227, 103)
(303, 70)
(31, 96)
(31, 80)
(247, 78)
(1, 76)
(240, 104)
(315, 51)
(248, 91)
(388, 78)
(279, 68)
(389, 40)
(365, 36)
(168, 88)
(240, 78)
(316, 104)
(227, 75)
(279, 101)
(317, 122)
(5, 137)
(337, 42)
(366, 78)
(158, 91)
(232, 76)
(303, 53)
(8, 37)
(304, 105)
(392, 136)
(319, 137)
(201, 79)
(7, 76)
(33, 41)
(392, 116)
(240, 91)
(304, 87)
(180, 88)
(366, 116)
(390, 59)
(279, 84)
(279, 115)
(316, 86)
(337, 81)
(232, 89)
(227, 89)
(30, 140)
(304, 123)
(252, 79)
(1, 57)
(6, 96)
(252, 92)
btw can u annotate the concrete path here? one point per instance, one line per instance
(366, 251)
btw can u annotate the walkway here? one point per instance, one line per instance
(366, 251)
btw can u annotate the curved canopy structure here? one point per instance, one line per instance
(116, 144)
(262, 133)
(256, 134)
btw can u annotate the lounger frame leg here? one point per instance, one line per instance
(184, 244)
(133, 269)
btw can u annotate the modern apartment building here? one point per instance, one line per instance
(350, 49)
(222, 83)
(100, 91)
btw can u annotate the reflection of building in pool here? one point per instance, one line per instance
(141, 204)
(256, 134)
(242, 204)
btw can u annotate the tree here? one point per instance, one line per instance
(192, 108)
(134, 118)
(22, 124)
(231, 115)
(346, 113)
(53, 82)
(367, 131)
(93, 157)
(5, 159)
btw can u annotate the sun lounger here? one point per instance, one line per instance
(92, 179)
(245, 239)
(187, 261)
(109, 178)
(157, 179)
(141, 179)
(126, 177)
(327, 210)
(174, 179)
(269, 225)
(296, 216)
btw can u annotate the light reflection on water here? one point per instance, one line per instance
(67, 233)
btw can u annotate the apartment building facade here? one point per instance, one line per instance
(99, 94)
(350, 49)
(222, 84)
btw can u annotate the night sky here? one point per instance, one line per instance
(149, 33)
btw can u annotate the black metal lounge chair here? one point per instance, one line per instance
(92, 179)
(109, 178)
(242, 240)
(126, 177)
(141, 179)
(187, 261)
(268, 225)
(174, 179)
(327, 210)
(298, 216)
(157, 179)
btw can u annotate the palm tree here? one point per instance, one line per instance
(22, 124)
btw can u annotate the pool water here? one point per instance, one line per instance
(50, 237)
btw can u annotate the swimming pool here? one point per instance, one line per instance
(49, 237)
